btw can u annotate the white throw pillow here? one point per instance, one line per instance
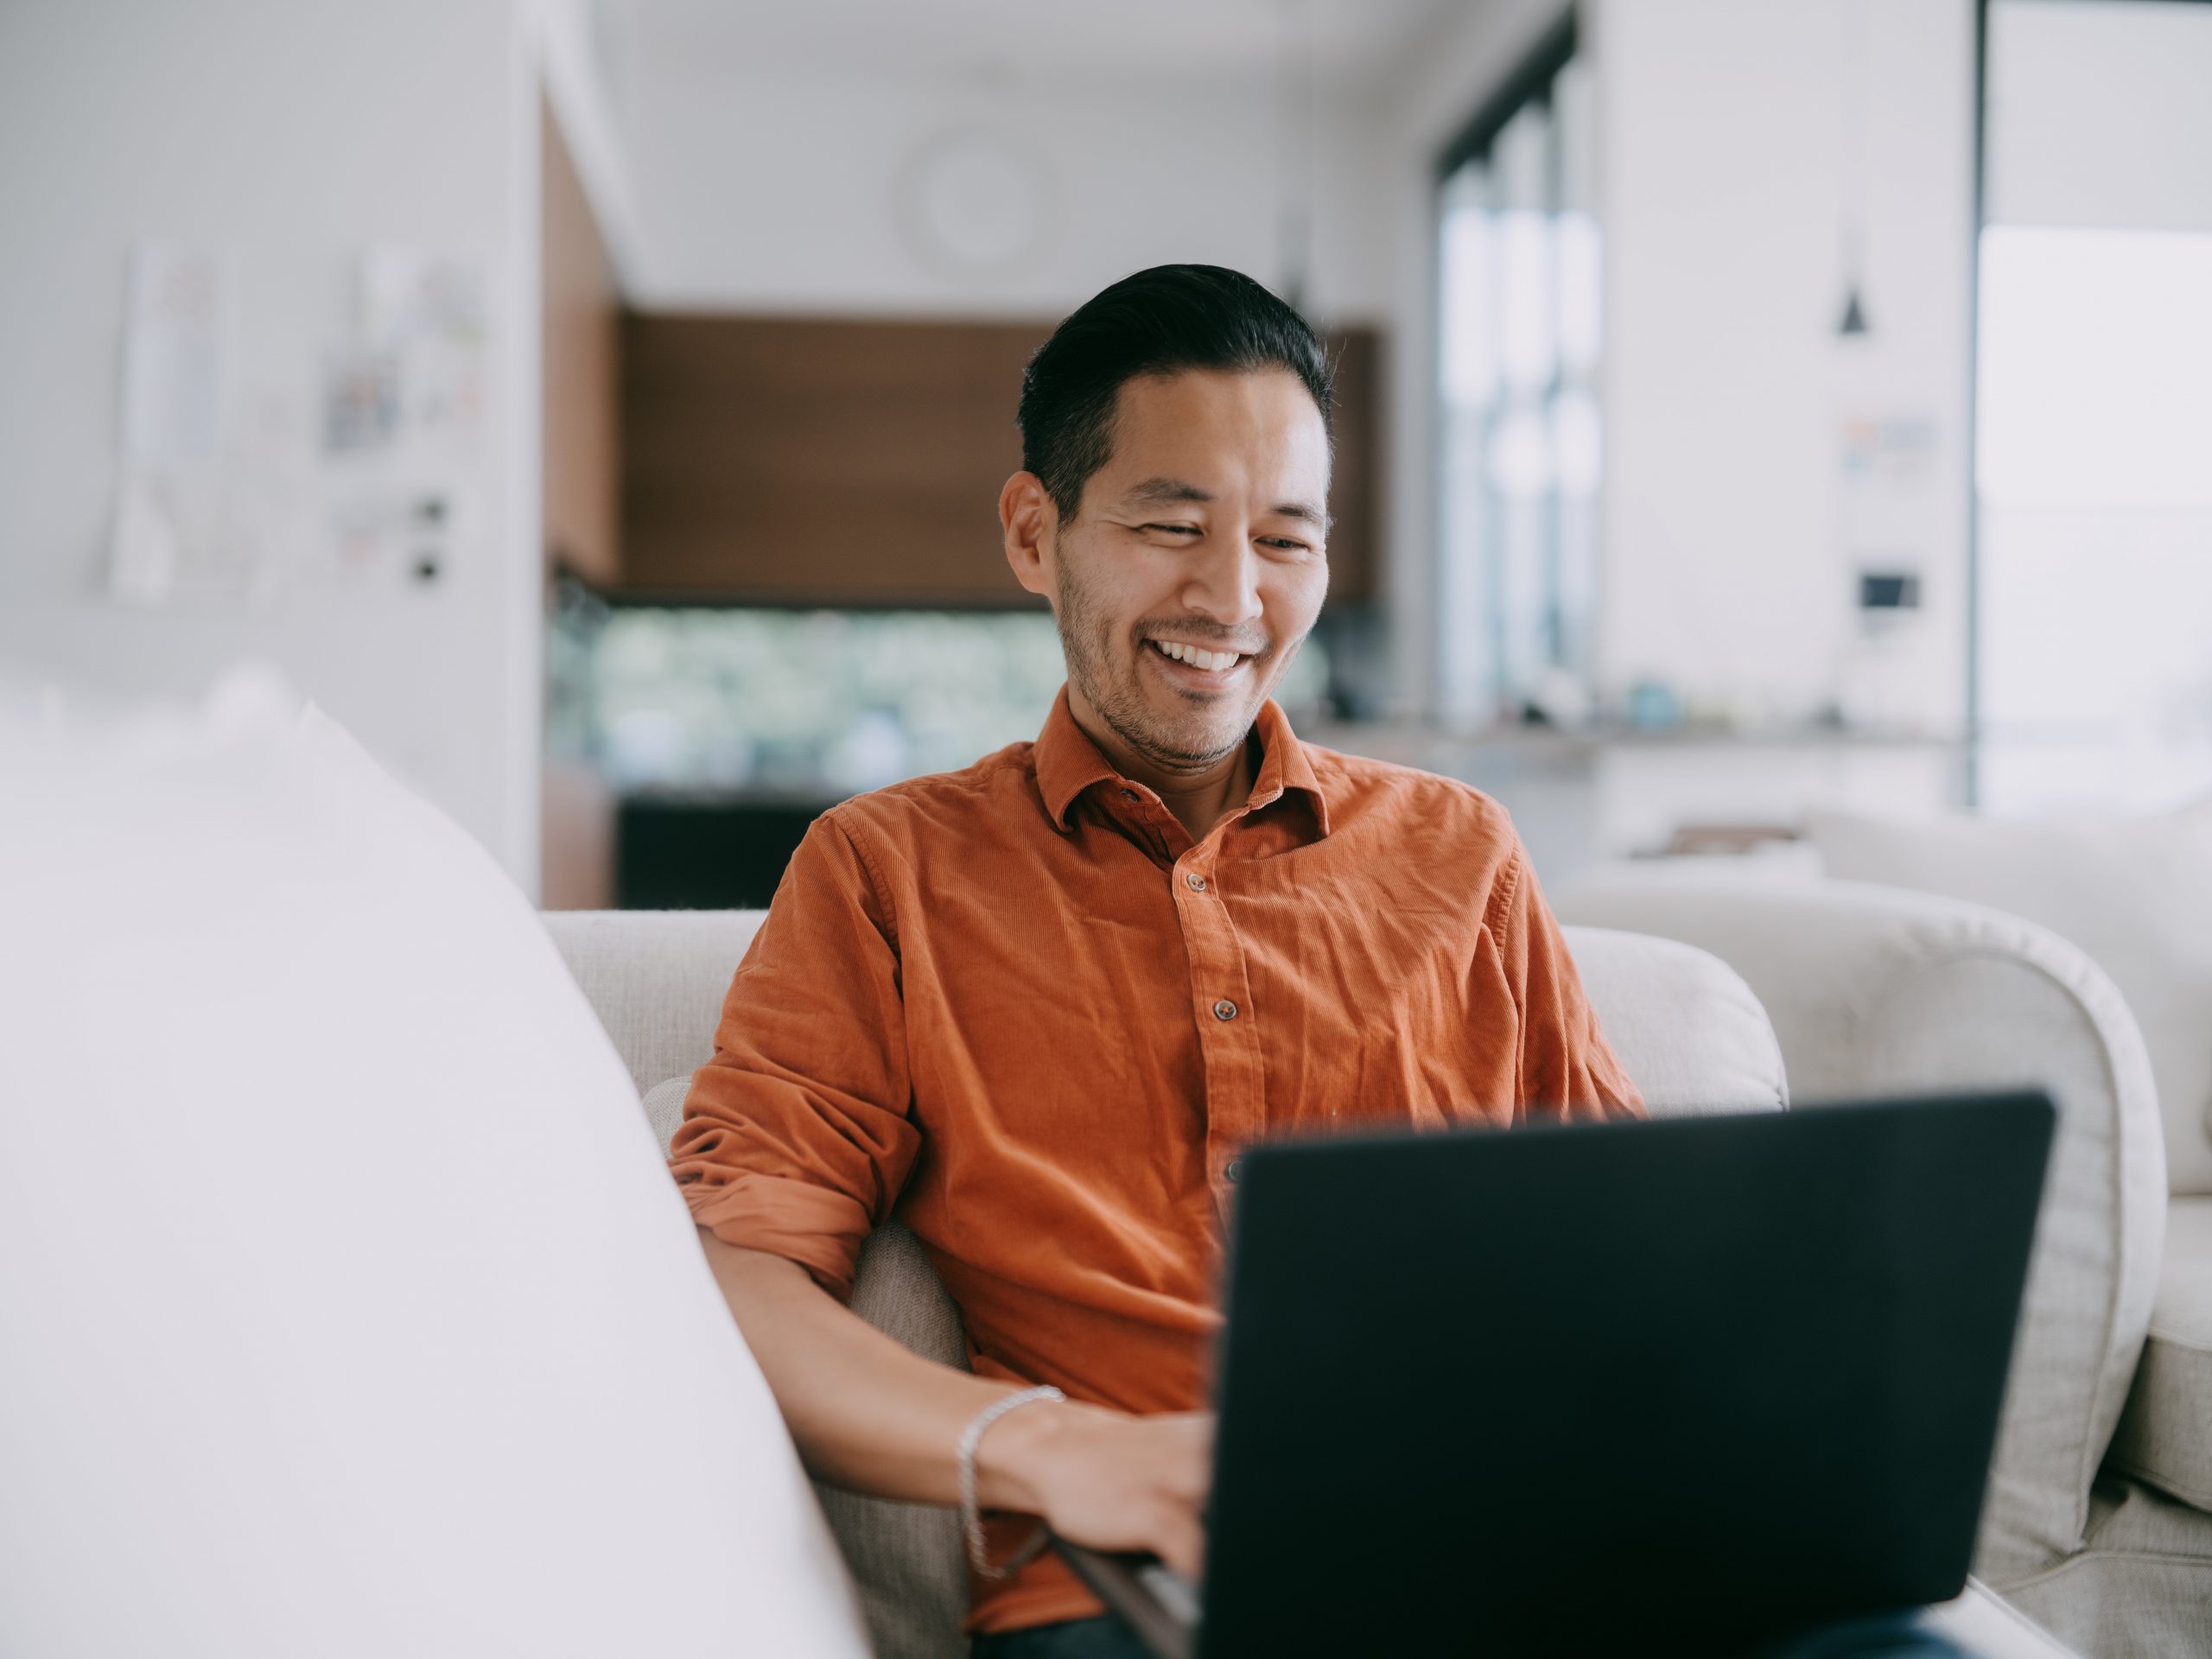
(2134, 893)
(347, 1307)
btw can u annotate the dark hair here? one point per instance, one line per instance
(1159, 321)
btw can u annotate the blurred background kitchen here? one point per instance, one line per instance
(1746, 405)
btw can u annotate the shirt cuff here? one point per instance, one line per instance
(819, 1229)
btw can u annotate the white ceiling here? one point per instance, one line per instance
(1358, 46)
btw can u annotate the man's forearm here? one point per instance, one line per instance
(871, 1415)
(866, 1412)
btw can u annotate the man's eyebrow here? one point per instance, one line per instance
(1164, 492)
(1303, 510)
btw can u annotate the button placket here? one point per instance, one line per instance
(1141, 818)
(1228, 1041)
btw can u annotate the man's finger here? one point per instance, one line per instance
(1182, 1546)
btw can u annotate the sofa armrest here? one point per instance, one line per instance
(1877, 991)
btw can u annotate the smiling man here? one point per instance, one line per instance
(1036, 1009)
(1184, 595)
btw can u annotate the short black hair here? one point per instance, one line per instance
(1159, 321)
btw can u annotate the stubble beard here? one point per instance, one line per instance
(1087, 640)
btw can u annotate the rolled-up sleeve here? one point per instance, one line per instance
(796, 1137)
(1565, 1067)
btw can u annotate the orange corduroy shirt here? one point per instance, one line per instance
(1020, 1008)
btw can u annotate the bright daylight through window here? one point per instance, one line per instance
(2095, 463)
(1519, 320)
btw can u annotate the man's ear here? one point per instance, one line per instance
(1031, 523)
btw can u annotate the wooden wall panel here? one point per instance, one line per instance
(1355, 480)
(784, 460)
(582, 322)
(787, 460)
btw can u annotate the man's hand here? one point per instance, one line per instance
(1105, 1479)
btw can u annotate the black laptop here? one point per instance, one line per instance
(1639, 1387)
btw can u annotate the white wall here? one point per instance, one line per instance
(770, 188)
(2099, 114)
(1723, 177)
(287, 137)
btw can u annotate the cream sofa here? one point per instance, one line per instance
(2097, 1524)
(1688, 1028)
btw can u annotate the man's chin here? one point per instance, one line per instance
(1187, 744)
(1171, 728)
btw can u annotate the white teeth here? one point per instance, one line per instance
(1213, 662)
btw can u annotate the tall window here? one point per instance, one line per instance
(1519, 336)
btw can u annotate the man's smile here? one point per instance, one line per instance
(1197, 667)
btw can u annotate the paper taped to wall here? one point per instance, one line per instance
(175, 343)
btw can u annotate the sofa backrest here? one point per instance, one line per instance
(2134, 893)
(1685, 1026)
(657, 978)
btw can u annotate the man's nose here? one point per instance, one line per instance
(1224, 583)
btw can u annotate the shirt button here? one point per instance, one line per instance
(1195, 882)
(1235, 1168)
(1224, 1009)
(1128, 794)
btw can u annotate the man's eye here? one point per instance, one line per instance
(1173, 530)
(1286, 542)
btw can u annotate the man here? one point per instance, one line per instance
(1036, 1008)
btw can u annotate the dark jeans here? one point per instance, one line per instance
(1108, 1637)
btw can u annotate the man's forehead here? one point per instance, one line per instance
(1171, 432)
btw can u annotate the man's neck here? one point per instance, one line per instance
(1198, 799)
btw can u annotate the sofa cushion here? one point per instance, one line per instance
(664, 1106)
(2141, 1587)
(1686, 1027)
(907, 1559)
(348, 1309)
(2165, 1435)
(2134, 893)
(1985, 1625)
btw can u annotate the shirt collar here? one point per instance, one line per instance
(1068, 763)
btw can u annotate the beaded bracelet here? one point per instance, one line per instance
(971, 1518)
